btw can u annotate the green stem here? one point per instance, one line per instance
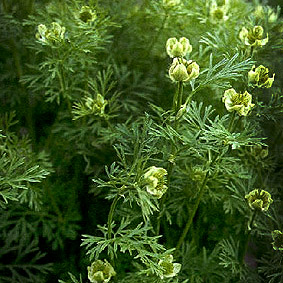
(177, 102)
(195, 208)
(30, 120)
(54, 204)
(5, 6)
(170, 170)
(178, 97)
(30, 5)
(110, 216)
(17, 59)
(252, 51)
(231, 123)
(191, 217)
(61, 75)
(250, 226)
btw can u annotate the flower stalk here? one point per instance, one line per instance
(178, 97)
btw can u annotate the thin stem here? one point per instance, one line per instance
(110, 216)
(189, 98)
(54, 204)
(30, 120)
(192, 215)
(177, 102)
(5, 6)
(250, 226)
(180, 96)
(252, 51)
(232, 119)
(17, 59)
(170, 170)
(31, 5)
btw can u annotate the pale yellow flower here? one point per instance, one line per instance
(253, 36)
(182, 70)
(259, 200)
(178, 48)
(239, 102)
(100, 272)
(155, 181)
(259, 77)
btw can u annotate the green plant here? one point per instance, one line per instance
(147, 142)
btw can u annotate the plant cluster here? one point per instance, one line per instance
(141, 141)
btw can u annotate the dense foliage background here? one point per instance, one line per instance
(86, 110)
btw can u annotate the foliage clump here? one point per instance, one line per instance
(141, 141)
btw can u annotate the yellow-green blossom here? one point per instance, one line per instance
(56, 33)
(41, 32)
(87, 14)
(155, 181)
(217, 13)
(100, 272)
(259, 77)
(178, 48)
(182, 70)
(90, 106)
(253, 36)
(277, 237)
(171, 3)
(170, 269)
(97, 106)
(239, 102)
(259, 200)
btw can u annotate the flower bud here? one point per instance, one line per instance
(259, 77)
(177, 48)
(183, 70)
(155, 181)
(253, 36)
(100, 272)
(259, 200)
(170, 269)
(239, 102)
(277, 237)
